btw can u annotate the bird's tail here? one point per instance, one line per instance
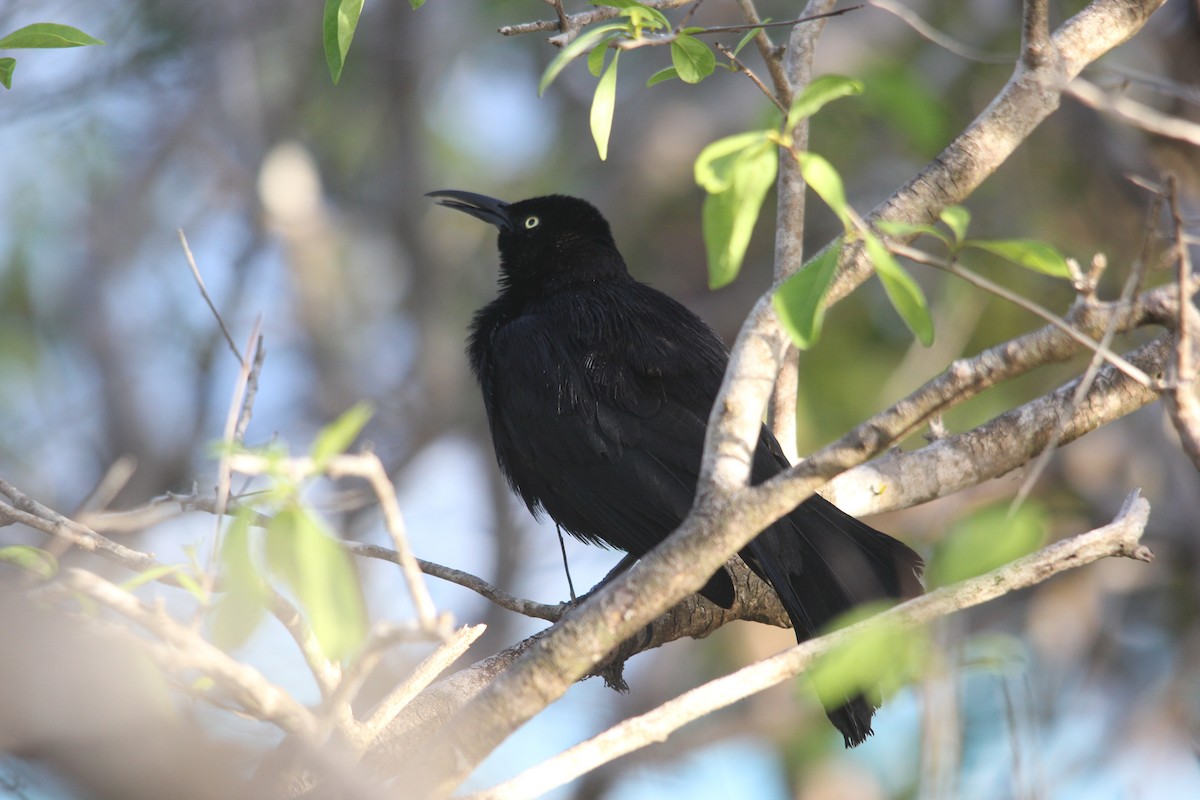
(822, 562)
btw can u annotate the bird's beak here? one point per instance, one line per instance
(488, 209)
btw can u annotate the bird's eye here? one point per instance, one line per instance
(531, 223)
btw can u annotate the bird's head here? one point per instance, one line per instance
(544, 240)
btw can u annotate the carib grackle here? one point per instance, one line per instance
(598, 390)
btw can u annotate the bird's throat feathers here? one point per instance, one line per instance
(568, 260)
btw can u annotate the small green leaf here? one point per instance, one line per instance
(799, 301)
(30, 559)
(750, 34)
(714, 165)
(152, 574)
(823, 179)
(604, 102)
(902, 229)
(904, 293)
(985, 540)
(322, 577)
(595, 59)
(243, 606)
(583, 43)
(416, 4)
(1028, 253)
(47, 35)
(692, 59)
(335, 437)
(639, 15)
(957, 219)
(729, 215)
(665, 74)
(818, 93)
(7, 65)
(337, 29)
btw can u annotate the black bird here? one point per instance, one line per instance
(598, 390)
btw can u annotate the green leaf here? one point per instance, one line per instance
(985, 540)
(595, 59)
(582, 43)
(152, 574)
(750, 34)
(818, 93)
(714, 165)
(904, 293)
(30, 559)
(799, 300)
(7, 65)
(337, 29)
(665, 74)
(43, 35)
(692, 59)
(243, 606)
(823, 179)
(1028, 253)
(416, 4)
(604, 102)
(335, 437)
(957, 219)
(639, 15)
(900, 229)
(729, 215)
(322, 577)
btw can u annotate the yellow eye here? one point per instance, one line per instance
(531, 222)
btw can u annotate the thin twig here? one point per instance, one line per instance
(749, 73)
(236, 404)
(529, 608)
(425, 673)
(1135, 113)
(947, 43)
(252, 690)
(922, 257)
(771, 56)
(1182, 404)
(1120, 538)
(1081, 391)
(191, 260)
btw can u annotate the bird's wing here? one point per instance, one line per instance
(604, 432)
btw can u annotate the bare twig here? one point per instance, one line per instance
(191, 260)
(1066, 327)
(1132, 284)
(1138, 114)
(1120, 538)
(1182, 403)
(923, 28)
(772, 57)
(29, 512)
(236, 407)
(422, 676)
(254, 692)
(478, 585)
(749, 73)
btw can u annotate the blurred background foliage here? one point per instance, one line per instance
(303, 203)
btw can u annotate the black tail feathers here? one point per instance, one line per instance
(822, 562)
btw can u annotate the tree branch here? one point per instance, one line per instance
(1120, 538)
